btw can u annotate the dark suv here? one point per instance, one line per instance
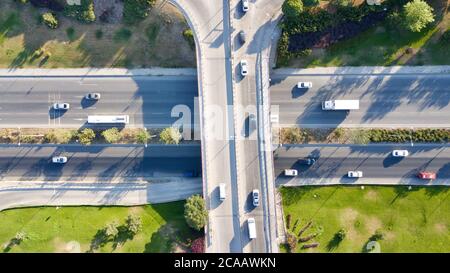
(307, 161)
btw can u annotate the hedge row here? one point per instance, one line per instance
(405, 135)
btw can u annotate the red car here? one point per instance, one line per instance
(426, 175)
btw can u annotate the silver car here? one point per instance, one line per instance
(255, 197)
(244, 67)
(400, 153)
(59, 159)
(92, 96)
(355, 174)
(61, 106)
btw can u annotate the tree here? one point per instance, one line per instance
(134, 224)
(195, 212)
(136, 10)
(142, 136)
(198, 245)
(111, 229)
(111, 135)
(292, 8)
(49, 20)
(86, 136)
(310, 3)
(417, 15)
(291, 241)
(170, 135)
(340, 235)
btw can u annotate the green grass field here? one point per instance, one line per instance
(415, 220)
(156, 41)
(386, 45)
(49, 229)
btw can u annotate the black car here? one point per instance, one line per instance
(242, 36)
(307, 161)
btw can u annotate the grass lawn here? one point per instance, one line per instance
(156, 41)
(54, 230)
(416, 220)
(385, 45)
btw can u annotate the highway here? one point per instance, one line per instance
(375, 161)
(258, 24)
(98, 163)
(386, 100)
(148, 100)
(27, 194)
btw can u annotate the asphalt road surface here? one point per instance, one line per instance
(375, 161)
(26, 194)
(386, 100)
(148, 100)
(98, 162)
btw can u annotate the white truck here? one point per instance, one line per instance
(122, 119)
(340, 105)
(251, 228)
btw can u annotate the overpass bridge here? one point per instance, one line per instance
(243, 163)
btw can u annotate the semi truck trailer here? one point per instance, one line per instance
(340, 105)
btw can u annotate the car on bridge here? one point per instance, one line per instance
(400, 153)
(61, 106)
(244, 67)
(251, 228)
(242, 36)
(92, 96)
(59, 159)
(245, 5)
(307, 161)
(255, 197)
(355, 174)
(304, 85)
(426, 175)
(290, 172)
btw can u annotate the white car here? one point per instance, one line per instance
(59, 159)
(290, 172)
(245, 5)
(244, 67)
(355, 174)
(61, 106)
(255, 196)
(92, 96)
(400, 153)
(304, 84)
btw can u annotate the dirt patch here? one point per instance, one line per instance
(441, 228)
(371, 195)
(372, 224)
(66, 247)
(348, 216)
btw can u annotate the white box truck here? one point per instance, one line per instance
(222, 192)
(340, 105)
(123, 119)
(251, 228)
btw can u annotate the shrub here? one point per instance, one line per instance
(292, 8)
(99, 34)
(291, 241)
(84, 12)
(195, 212)
(142, 136)
(122, 35)
(50, 20)
(417, 15)
(170, 135)
(111, 135)
(198, 245)
(136, 10)
(310, 3)
(445, 38)
(112, 229)
(86, 136)
(59, 136)
(133, 224)
(340, 235)
(22, 1)
(189, 37)
(70, 31)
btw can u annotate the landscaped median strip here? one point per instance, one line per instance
(362, 136)
(89, 136)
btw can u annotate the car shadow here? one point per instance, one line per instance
(56, 113)
(298, 92)
(86, 103)
(391, 161)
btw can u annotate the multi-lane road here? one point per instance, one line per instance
(148, 100)
(386, 100)
(98, 163)
(375, 161)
